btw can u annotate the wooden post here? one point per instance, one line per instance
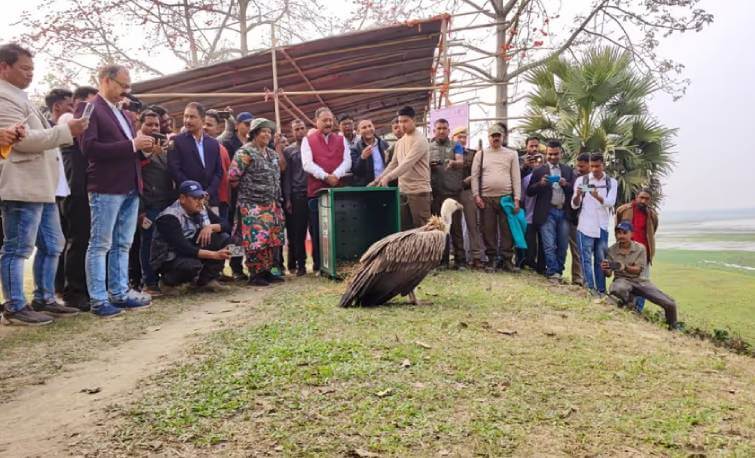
(275, 79)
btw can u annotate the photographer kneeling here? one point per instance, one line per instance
(190, 243)
(627, 259)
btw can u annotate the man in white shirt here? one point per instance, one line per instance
(595, 196)
(326, 158)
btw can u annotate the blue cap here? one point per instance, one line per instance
(192, 189)
(625, 226)
(244, 116)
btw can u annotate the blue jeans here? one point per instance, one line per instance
(113, 224)
(555, 236)
(639, 301)
(588, 247)
(27, 224)
(149, 277)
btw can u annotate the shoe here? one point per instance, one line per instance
(277, 272)
(491, 267)
(270, 277)
(106, 310)
(477, 265)
(53, 308)
(223, 278)
(508, 266)
(212, 286)
(554, 278)
(169, 290)
(79, 301)
(133, 300)
(258, 280)
(154, 291)
(25, 317)
(240, 276)
(460, 266)
(301, 271)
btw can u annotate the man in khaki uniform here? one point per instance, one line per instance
(628, 261)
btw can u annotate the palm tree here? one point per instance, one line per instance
(597, 103)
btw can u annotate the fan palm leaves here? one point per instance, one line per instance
(597, 103)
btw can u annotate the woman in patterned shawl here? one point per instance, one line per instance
(255, 171)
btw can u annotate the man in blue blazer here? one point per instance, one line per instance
(196, 156)
(114, 181)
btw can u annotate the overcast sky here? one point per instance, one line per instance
(713, 119)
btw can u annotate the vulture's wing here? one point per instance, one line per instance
(395, 265)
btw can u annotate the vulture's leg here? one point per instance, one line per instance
(412, 298)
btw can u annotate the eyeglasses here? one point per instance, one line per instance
(123, 85)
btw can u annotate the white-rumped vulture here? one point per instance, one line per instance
(396, 264)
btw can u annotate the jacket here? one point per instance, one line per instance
(517, 223)
(184, 163)
(364, 169)
(114, 166)
(626, 212)
(32, 170)
(542, 194)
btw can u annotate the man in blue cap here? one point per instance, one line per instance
(190, 243)
(627, 260)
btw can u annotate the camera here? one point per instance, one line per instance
(237, 251)
(160, 139)
(615, 266)
(133, 103)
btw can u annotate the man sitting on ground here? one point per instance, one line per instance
(190, 241)
(628, 260)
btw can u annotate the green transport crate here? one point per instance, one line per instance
(352, 219)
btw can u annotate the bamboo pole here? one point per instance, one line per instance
(274, 52)
(159, 95)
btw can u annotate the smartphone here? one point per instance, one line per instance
(223, 114)
(237, 251)
(88, 109)
(159, 138)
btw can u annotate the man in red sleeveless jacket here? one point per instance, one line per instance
(326, 157)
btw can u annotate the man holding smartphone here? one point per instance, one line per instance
(29, 179)
(626, 260)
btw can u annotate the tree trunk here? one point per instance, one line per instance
(501, 90)
(244, 45)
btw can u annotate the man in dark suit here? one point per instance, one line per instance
(114, 181)
(552, 185)
(196, 156)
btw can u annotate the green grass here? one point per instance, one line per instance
(710, 296)
(575, 378)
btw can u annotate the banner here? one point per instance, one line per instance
(456, 115)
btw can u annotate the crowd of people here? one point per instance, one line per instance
(123, 207)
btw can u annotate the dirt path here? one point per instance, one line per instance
(44, 420)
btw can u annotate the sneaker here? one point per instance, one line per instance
(554, 278)
(133, 300)
(106, 310)
(53, 308)
(460, 266)
(240, 276)
(223, 278)
(508, 266)
(258, 280)
(301, 271)
(270, 277)
(26, 317)
(491, 267)
(477, 265)
(277, 272)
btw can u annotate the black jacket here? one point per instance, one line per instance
(364, 169)
(543, 193)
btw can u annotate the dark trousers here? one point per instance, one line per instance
(314, 231)
(60, 277)
(135, 260)
(184, 269)
(627, 289)
(149, 277)
(415, 209)
(493, 222)
(529, 257)
(76, 227)
(457, 232)
(297, 224)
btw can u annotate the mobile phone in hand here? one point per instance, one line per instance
(88, 109)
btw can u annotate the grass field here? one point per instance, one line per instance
(709, 293)
(497, 365)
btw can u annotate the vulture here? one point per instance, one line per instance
(396, 264)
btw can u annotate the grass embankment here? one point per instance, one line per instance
(497, 365)
(711, 293)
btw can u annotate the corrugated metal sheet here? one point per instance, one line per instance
(393, 56)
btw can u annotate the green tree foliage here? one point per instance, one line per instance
(597, 103)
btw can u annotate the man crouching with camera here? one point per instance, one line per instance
(190, 243)
(628, 261)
